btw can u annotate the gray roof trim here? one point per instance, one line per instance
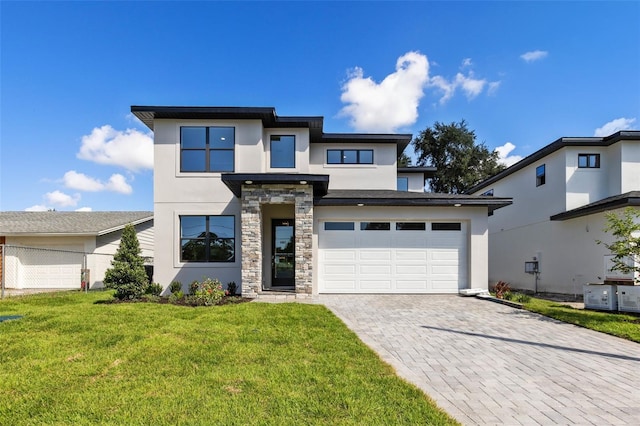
(631, 198)
(427, 172)
(401, 140)
(401, 198)
(68, 223)
(555, 146)
(234, 181)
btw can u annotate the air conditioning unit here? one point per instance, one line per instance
(629, 298)
(601, 297)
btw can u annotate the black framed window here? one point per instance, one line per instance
(339, 226)
(410, 226)
(375, 226)
(446, 226)
(589, 161)
(402, 184)
(541, 178)
(283, 152)
(207, 149)
(349, 156)
(488, 193)
(207, 238)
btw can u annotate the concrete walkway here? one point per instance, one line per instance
(486, 363)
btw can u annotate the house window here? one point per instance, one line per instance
(488, 193)
(207, 149)
(446, 226)
(589, 161)
(410, 226)
(540, 175)
(207, 238)
(403, 184)
(339, 226)
(283, 152)
(375, 226)
(349, 156)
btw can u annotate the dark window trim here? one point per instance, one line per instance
(541, 175)
(588, 158)
(207, 150)
(271, 151)
(411, 226)
(375, 226)
(358, 151)
(339, 226)
(488, 193)
(446, 226)
(207, 239)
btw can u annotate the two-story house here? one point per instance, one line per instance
(560, 196)
(273, 203)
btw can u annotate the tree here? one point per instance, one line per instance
(404, 160)
(460, 162)
(127, 275)
(625, 227)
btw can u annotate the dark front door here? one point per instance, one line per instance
(283, 263)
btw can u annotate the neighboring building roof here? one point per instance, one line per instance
(234, 181)
(403, 198)
(555, 146)
(623, 200)
(147, 114)
(68, 223)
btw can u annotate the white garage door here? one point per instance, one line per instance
(392, 257)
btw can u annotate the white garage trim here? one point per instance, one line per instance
(393, 256)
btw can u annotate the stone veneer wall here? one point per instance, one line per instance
(253, 197)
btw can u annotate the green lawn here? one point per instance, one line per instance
(72, 361)
(622, 325)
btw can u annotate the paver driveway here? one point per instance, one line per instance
(486, 363)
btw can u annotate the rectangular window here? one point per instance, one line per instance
(375, 226)
(488, 193)
(339, 226)
(589, 161)
(446, 226)
(207, 149)
(207, 238)
(349, 156)
(283, 152)
(410, 226)
(540, 175)
(402, 184)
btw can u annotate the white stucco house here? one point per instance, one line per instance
(275, 204)
(48, 250)
(560, 196)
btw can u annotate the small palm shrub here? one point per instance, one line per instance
(501, 288)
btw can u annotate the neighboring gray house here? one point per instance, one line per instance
(560, 196)
(49, 249)
(276, 204)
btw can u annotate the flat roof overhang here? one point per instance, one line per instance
(616, 202)
(234, 181)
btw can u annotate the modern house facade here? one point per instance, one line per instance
(560, 196)
(275, 204)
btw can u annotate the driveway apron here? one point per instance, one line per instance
(487, 363)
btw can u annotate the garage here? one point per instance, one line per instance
(393, 256)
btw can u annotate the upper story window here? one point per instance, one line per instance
(488, 193)
(349, 156)
(403, 184)
(283, 152)
(207, 238)
(589, 161)
(207, 149)
(540, 175)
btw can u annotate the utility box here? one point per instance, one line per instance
(601, 297)
(629, 298)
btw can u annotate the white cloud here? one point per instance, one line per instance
(130, 148)
(534, 55)
(471, 86)
(37, 208)
(84, 209)
(614, 126)
(466, 62)
(82, 182)
(493, 87)
(61, 199)
(505, 158)
(392, 103)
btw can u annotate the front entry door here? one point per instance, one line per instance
(283, 263)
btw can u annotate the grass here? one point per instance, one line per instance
(622, 325)
(70, 360)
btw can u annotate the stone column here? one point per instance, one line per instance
(304, 234)
(251, 245)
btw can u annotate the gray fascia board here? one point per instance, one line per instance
(119, 227)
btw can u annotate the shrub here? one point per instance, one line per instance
(176, 296)
(501, 288)
(193, 287)
(507, 295)
(522, 298)
(208, 292)
(127, 275)
(175, 287)
(153, 289)
(232, 288)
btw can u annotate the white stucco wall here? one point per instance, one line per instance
(416, 181)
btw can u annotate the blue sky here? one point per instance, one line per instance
(522, 74)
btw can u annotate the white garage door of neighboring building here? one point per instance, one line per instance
(392, 257)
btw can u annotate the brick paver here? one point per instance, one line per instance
(486, 363)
